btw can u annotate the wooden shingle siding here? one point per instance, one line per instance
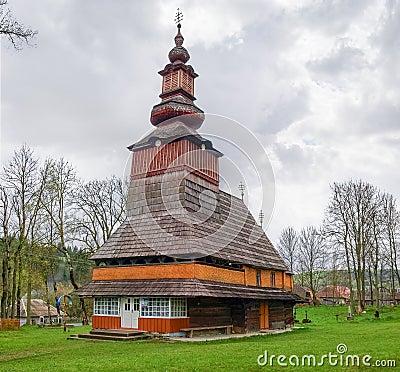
(220, 234)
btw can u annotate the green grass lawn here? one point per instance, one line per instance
(38, 349)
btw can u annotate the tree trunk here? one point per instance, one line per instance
(4, 280)
(29, 292)
(14, 285)
(18, 294)
(371, 287)
(349, 278)
(46, 286)
(85, 319)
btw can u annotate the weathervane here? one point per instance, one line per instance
(178, 18)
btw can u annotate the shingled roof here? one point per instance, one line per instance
(183, 287)
(170, 131)
(38, 308)
(234, 236)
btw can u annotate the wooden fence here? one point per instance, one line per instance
(7, 324)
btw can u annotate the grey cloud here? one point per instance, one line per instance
(372, 117)
(86, 90)
(332, 17)
(344, 59)
(291, 106)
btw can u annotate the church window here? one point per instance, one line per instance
(106, 306)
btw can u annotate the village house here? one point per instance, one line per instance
(40, 311)
(303, 292)
(334, 295)
(184, 259)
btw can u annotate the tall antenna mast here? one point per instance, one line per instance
(242, 188)
(261, 217)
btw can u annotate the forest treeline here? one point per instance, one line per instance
(357, 245)
(50, 219)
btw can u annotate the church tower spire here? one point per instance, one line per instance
(174, 156)
(177, 96)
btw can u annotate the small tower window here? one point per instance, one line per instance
(175, 80)
(167, 82)
(258, 278)
(187, 82)
(272, 280)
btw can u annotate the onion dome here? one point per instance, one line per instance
(177, 96)
(178, 54)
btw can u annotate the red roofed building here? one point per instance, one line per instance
(333, 295)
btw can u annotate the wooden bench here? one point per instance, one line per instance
(189, 331)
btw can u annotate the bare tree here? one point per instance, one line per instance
(15, 32)
(7, 236)
(100, 209)
(49, 234)
(350, 219)
(60, 191)
(391, 226)
(312, 254)
(20, 177)
(34, 245)
(288, 247)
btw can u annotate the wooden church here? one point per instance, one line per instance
(184, 259)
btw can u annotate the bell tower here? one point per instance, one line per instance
(177, 96)
(174, 168)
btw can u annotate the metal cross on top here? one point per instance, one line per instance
(242, 188)
(178, 17)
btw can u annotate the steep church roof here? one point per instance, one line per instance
(235, 237)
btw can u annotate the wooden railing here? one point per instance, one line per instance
(7, 324)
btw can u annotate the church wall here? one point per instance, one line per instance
(174, 155)
(167, 271)
(162, 325)
(250, 276)
(265, 278)
(106, 322)
(282, 280)
(276, 315)
(288, 282)
(279, 279)
(252, 316)
(209, 312)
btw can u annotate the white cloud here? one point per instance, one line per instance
(318, 81)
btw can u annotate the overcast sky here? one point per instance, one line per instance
(317, 83)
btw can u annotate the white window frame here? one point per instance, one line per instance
(160, 307)
(163, 307)
(178, 307)
(106, 306)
